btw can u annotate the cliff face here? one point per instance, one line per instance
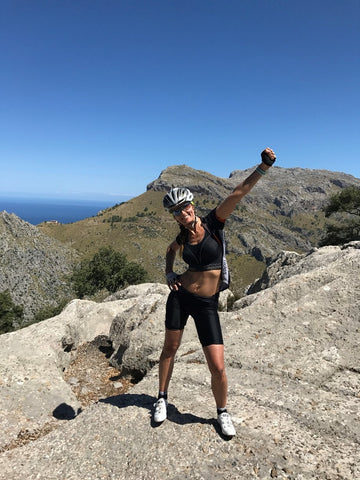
(292, 359)
(32, 265)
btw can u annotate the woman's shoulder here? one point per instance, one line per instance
(211, 220)
(182, 237)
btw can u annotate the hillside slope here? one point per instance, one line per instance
(283, 212)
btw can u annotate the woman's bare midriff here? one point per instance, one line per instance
(204, 284)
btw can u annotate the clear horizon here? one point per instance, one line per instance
(37, 210)
(99, 99)
(96, 198)
(86, 198)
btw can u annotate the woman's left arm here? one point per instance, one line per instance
(227, 206)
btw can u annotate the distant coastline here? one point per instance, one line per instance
(38, 210)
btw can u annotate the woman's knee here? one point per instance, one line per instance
(218, 372)
(169, 350)
(172, 342)
(215, 358)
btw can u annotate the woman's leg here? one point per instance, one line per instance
(166, 365)
(167, 357)
(215, 358)
(214, 355)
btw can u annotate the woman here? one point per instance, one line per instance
(196, 292)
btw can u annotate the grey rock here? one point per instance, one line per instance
(287, 264)
(137, 333)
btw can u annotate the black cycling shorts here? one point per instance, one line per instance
(204, 310)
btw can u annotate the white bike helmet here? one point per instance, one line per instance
(177, 196)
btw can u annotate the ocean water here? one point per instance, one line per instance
(37, 210)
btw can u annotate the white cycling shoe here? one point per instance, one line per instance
(160, 412)
(226, 424)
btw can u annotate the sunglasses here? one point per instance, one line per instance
(179, 210)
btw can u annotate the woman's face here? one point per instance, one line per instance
(186, 216)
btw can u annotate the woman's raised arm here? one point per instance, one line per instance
(227, 206)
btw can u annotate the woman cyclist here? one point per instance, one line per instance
(196, 292)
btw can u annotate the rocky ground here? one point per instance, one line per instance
(91, 376)
(293, 364)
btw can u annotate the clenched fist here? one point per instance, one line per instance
(268, 156)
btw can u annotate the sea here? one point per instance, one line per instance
(38, 210)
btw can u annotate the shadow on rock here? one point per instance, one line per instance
(184, 418)
(147, 401)
(65, 412)
(130, 399)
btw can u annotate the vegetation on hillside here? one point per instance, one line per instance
(10, 314)
(344, 210)
(106, 272)
(107, 269)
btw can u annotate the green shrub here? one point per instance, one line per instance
(10, 314)
(344, 226)
(108, 270)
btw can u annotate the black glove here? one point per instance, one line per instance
(267, 159)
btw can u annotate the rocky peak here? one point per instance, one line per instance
(290, 189)
(199, 181)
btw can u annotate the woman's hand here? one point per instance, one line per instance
(173, 280)
(226, 207)
(268, 157)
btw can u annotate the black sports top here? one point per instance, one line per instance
(208, 253)
(205, 255)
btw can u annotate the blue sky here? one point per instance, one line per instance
(99, 96)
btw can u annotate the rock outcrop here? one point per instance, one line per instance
(293, 364)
